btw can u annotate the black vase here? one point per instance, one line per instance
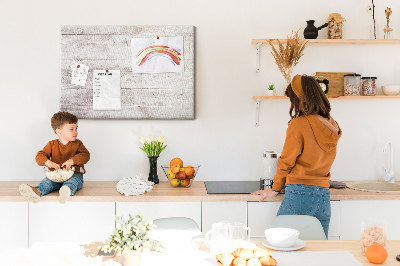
(153, 177)
(311, 32)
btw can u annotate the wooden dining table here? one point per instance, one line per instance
(353, 246)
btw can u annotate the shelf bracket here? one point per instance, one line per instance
(258, 57)
(257, 112)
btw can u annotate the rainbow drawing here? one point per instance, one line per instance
(147, 53)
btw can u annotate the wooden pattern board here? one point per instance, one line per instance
(336, 82)
(143, 96)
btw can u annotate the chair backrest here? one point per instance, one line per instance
(178, 223)
(310, 227)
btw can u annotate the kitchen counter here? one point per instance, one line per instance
(105, 191)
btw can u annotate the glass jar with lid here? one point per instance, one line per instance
(368, 86)
(352, 85)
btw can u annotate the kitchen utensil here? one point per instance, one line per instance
(218, 239)
(269, 161)
(391, 90)
(282, 237)
(297, 245)
(311, 32)
(239, 233)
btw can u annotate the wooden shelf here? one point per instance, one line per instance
(331, 97)
(332, 41)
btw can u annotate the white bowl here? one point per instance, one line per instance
(391, 90)
(282, 237)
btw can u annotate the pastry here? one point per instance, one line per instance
(258, 252)
(267, 261)
(243, 253)
(239, 262)
(253, 262)
(226, 258)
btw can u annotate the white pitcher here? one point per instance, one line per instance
(218, 239)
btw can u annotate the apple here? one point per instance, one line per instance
(170, 175)
(175, 168)
(189, 170)
(175, 182)
(181, 175)
(185, 182)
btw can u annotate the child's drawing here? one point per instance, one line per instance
(157, 54)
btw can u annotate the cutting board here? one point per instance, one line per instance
(336, 81)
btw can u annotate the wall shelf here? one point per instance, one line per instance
(259, 98)
(332, 41)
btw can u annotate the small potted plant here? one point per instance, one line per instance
(129, 238)
(271, 90)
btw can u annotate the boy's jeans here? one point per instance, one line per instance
(74, 183)
(308, 200)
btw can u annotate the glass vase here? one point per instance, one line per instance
(153, 177)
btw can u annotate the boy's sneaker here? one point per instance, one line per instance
(65, 192)
(30, 193)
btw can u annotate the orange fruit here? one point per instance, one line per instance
(176, 161)
(376, 254)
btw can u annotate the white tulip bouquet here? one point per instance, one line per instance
(153, 146)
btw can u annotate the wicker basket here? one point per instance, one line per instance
(60, 175)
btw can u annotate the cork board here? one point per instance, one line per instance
(336, 82)
(143, 96)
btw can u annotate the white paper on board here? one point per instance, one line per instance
(79, 74)
(106, 90)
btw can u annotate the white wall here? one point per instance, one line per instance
(222, 138)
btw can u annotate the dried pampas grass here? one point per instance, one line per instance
(287, 57)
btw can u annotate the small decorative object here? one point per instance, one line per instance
(391, 90)
(129, 238)
(311, 32)
(373, 31)
(368, 86)
(288, 57)
(153, 147)
(352, 85)
(60, 175)
(271, 90)
(133, 186)
(335, 26)
(323, 83)
(387, 30)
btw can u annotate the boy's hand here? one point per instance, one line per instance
(52, 165)
(68, 164)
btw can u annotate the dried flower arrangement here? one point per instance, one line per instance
(288, 57)
(387, 30)
(373, 29)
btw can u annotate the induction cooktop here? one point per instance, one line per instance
(233, 187)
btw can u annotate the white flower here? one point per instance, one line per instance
(142, 140)
(151, 138)
(148, 140)
(161, 138)
(156, 139)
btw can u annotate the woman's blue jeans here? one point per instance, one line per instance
(74, 183)
(308, 200)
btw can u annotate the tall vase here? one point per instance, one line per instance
(153, 177)
(131, 258)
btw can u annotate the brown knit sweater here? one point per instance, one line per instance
(57, 152)
(308, 153)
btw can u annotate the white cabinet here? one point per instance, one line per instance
(218, 211)
(13, 225)
(260, 216)
(72, 222)
(155, 210)
(354, 211)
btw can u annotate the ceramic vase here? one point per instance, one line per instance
(153, 177)
(132, 257)
(270, 92)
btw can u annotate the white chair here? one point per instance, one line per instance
(310, 227)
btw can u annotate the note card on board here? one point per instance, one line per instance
(106, 90)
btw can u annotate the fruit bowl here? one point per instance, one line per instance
(181, 177)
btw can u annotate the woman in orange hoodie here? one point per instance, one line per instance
(308, 153)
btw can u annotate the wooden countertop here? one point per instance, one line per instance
(105, 191)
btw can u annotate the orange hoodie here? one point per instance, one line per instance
(308, 153)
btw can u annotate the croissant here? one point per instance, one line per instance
(253, 262)
(258, 252)
(239, 262)
(226, 258)
(267, 261)
(243, 253)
